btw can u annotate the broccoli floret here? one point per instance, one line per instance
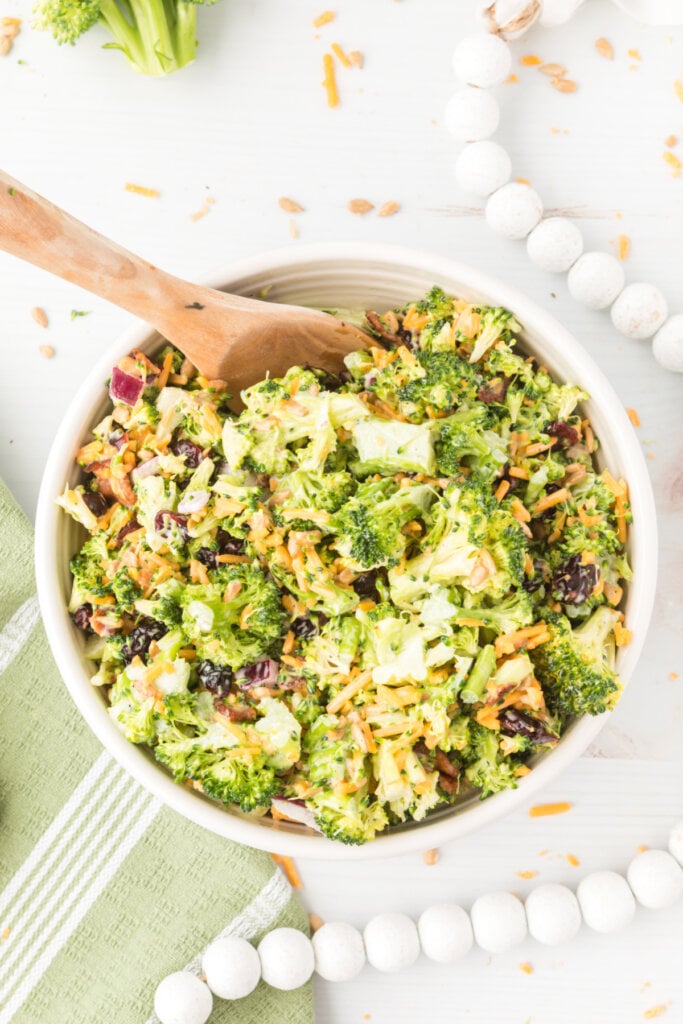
(125, 590)
(369, 528)
(576, 666)
(514, 612)
(487, 768)
(496, 323)
(349, 818)
(155, 36)
(314, 491)
(88, 569)
(464, 440)
(402, 781)
(444, 381)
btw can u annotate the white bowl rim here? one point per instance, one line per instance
(212, 816)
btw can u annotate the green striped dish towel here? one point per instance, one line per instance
(103, 891)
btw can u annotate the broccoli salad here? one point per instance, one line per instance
(363, 597)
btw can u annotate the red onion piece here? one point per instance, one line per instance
(292, 809)
(261, 673)
(193, 502)
(149, 468)
(124, 387)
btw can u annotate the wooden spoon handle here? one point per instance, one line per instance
(37, 231)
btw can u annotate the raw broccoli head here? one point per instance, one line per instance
(576, 666)
(155, 36)
(486, 766)
(369, 528)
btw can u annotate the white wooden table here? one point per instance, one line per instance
(247, 124)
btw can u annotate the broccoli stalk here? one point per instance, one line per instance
(482, 670)
(155, 36)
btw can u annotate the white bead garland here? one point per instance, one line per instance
(553, 914)
(482, 167)
(471, 114)
(656, 879)
(639, 311)
(498, 921)
(391, 942)
(181, 998)
(606, 901)
(287, 959)
(339, 951)
(676, 841)
(445, 933)
(513, 210)
(482, 60)
(555, 245)
(232, 967)
(596, 279)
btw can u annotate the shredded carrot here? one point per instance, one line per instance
(198, 573)
(289, 868)
(330, 80)
(633, 416)
(340, 55)
(552, 499)
(288, 645)
(324, 19)
(165, 371)
(414, 321)
(519, 472)
(544, 810)
(502, 489)
(141, 190)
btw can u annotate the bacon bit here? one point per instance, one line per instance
(340, 55)
(553, 70)
(289, 205)
(430, 857)
(671, 140)
(360, 206)
(552, 499)
(530, 61)
(511, 79)
(388, 209)
(46, 351)
(330, 80)
(674, 163)
(574, 861)
(526, 874)
(289, 868)
(655, 1011)
(39, 316)
(623, 247)
(501, 490)
(563, 84)
(141, 190)
(633, 416)
(324, 19)
(356, 58)
(544, 810)
(526, 967)
(604, 48)
(315, 922)
(622, 636)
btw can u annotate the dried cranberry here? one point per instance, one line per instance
(574, 582)
(227, 544)
(82, 616)
(130, 527)
(513, 722)
(139, 639)
(162, 527)
(192, 452)
(533, 583)
(96, 502)
(494, 390)
(207, 557)
(566, 434)
(214, 678)
(304, 627)
(365, 585)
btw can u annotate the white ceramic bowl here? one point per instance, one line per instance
(347, 276)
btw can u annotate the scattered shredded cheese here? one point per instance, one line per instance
(40, 316)
(604, 48)
(289, 868)
(360, 206)
(574, 861)
(673, 162)
(46, 351)
(655, 1011)
(430, 857)
(526, 967)
(530, 60)
(388, 209)
(678, 89)
(633, 416)
(340, 55)
(623, 246)
(526, 874)
(544, 810)
(289, 205)
(141, 190)
(330, 81)
(316, 922)
(324, 19)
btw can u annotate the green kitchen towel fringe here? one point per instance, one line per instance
(103, 890)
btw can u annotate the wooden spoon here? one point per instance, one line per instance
(228, 337)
